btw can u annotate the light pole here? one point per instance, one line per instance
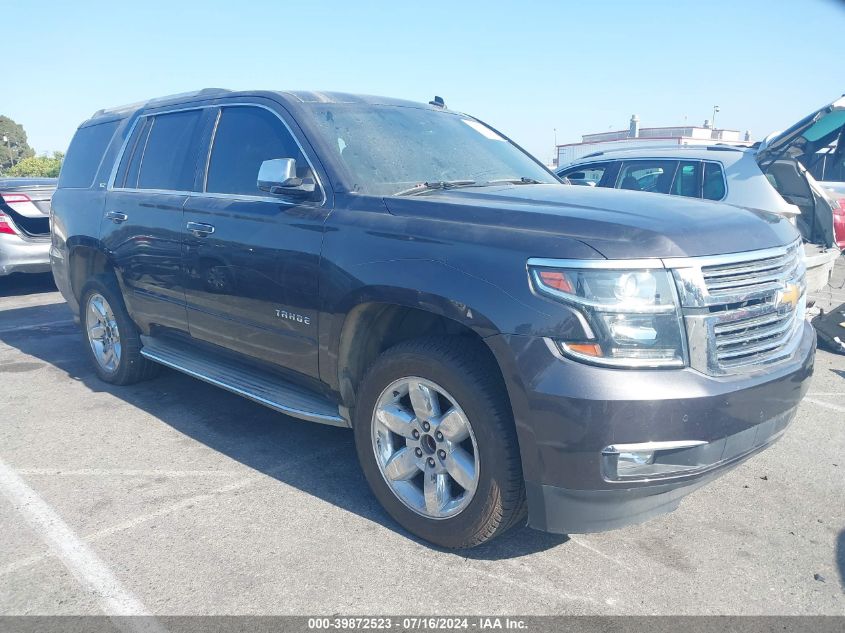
(713, 120)
(9, 147)
(555, 156)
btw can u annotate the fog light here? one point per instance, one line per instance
(633, 459)
(650, 460)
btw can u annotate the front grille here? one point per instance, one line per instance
(742, 311)
(751, 339)
(755, 275)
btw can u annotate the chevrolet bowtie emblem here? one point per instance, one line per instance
(789, 296)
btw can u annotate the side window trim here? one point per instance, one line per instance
(217, 116)
(147, 132)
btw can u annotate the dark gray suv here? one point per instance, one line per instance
(501, 345)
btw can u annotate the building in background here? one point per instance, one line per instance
(635, 136)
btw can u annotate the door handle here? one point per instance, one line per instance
(117, 217)
(198, 229)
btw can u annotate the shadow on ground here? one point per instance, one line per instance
(257, 437)
(19, 284)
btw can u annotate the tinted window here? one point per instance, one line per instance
(714, 182)
(169, 158)
(647, 175)
(686, 180)
(245, 138)
(590, 175)
(127, 171)
(85, 153)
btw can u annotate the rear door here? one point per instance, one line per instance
(646, 174)
(252, 258)
(142, 226)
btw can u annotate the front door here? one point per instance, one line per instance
(143, 226)
(251, 259)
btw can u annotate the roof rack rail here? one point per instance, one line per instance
(593, 154)
(157, 100)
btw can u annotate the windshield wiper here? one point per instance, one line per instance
(429, 186)
(515, 181)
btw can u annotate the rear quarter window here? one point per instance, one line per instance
(713, 187)
(84, 155)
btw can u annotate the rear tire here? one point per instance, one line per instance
(455, 494)
(112, 340)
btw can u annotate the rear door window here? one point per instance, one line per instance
(169, 158)
(713, 187)
(246, 136)
(688, 179)
(654, 176)
(85, 154)
(127, 171)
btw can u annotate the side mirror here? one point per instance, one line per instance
(278, 176)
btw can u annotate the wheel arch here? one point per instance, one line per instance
(86, 258)
(372, 326)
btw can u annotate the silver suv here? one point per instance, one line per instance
(766, 176)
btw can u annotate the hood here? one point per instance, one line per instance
(618, 224)
(812, 133)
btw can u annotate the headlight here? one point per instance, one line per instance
(630, 316)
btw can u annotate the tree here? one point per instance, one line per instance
(38, 166)
(14, 148)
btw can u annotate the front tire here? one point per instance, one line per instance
(112, 340)
(436, 440)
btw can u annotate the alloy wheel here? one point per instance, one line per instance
(425, 448)
(103, 333)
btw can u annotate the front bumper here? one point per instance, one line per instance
(24, 255)
(570, 416)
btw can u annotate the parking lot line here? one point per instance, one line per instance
(184, 503)
(37, 326)
(116, 472)
(81, 561)
(826, 405)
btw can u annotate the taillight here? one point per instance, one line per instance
(6, 225)
(13, 198)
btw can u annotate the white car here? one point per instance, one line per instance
(766, 176)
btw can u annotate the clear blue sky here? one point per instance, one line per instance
(525, 67)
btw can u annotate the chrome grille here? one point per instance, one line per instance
(742, 311)
(745, 340)
(755, 275)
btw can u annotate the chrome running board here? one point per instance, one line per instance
(257, 385)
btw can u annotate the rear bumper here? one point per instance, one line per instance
(820, 265)
(574, 421)
(24, 255)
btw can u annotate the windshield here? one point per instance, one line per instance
(390, 149)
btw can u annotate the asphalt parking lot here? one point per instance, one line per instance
(174, 497)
